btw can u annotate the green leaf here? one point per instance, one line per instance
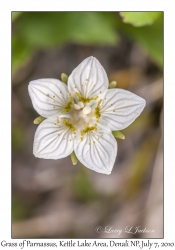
(140, 18)
(38, 30)
(150, 38)
(43, 29)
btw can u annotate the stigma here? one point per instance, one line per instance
(79, 105)
(85, 109)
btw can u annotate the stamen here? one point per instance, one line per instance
(85, 100)
(97, 109)
(86, 110)
(69, 105)
(88, 129)
(58, 120)
(76, 106)
(70, 125)
(64, 116)
(81, 105)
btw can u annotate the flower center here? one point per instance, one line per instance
(82, 116)
(85, 109)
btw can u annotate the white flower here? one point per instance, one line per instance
(81, 115)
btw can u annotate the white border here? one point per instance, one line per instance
(5, 94)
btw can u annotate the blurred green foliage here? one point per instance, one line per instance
(83, 188)
(139, 165)
(43, 30)
(19, 211)
(15, 15)
(37, 30)
(54, 28)
(149, 37)
(17, 138)
(140, 18)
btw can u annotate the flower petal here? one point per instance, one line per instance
(89, 79)
(53, 140)
(49, 96)
(97, 151)
(120, 108)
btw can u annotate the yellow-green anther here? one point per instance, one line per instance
(112, 85)
(74, 158)
(64, 78)
(118, 134)
(39, 119)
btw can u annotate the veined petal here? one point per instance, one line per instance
(49, 96)
(53, 140)
(120, 108)
(89, 79)
(97, 151)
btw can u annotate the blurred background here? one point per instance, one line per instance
(54, 199)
